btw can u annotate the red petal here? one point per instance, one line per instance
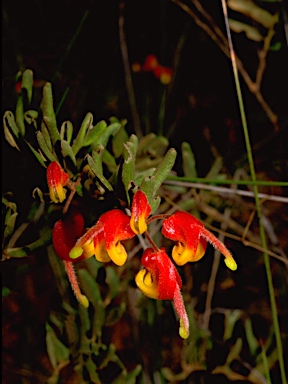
(163, 271)
(65, 234)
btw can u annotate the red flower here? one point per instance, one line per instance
(192, 237)
(139, 212)
(56, 179)
(104, 239)
(66, 232)
(160, 280)
(164, 74)
(64, 235)
(151, 62)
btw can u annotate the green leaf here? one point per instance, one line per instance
(9, 225)
(103, 138)
(109, 160)
(147, 186)
(112, 281)
(92, 291)
(57, 351)
(39, 193)
(131, 376)
(27, 83)
(252, 341)
(5, 291)
(46, 136)
(250, 9)
(251, 33)
(49, 117)
(38, 155)
(118, 141)
(19, 115)
(79, 142)
(129, 155)
(67, 151)
(155, 202)
(92, 369)
(164, 168)
(188, 159)
(128, 378)
(114, 314)
(66, 131)
(43, 146)
(31, 117)
(94, 133)
(96, 167)
(10, 124)
(231, 317)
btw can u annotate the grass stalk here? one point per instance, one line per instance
(257, 201)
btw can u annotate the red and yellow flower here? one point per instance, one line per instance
(191, 237)
(160, 280)
(57, 178)
(104, 239)
(65, 233)
(139, 212)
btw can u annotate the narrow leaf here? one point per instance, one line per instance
(66, 131)
(164, 168)
(49, 117)
(19, 115)
(10, 124)
(43, 146)
(128, 170)
(9, 225)
(38, 155)
(46, 136)
(188, 160)
(78, 143)
(57, 351)
(67, 151)
(94, 133)
(27, 83)
(118, 141)
(96, 167)
(111, 130)
(31, 117)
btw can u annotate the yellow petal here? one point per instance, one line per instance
(145, 283)
(117, 254)
(182, 255)
(88, 249)
(138, 224)
(101, 253)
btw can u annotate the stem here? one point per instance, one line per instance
(257, 201)
(162, 216)
(154, 246)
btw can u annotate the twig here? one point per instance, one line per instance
(128, 77)
(226, 191)
(220, 39)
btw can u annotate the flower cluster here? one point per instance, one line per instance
(151, 64)
(159, 278)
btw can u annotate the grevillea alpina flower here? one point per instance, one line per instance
(160, 280)
(191, 237)
(64, 235)
(164, 74)
(150, 63)
(57, 178)
(139, 212)
(104, 239)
